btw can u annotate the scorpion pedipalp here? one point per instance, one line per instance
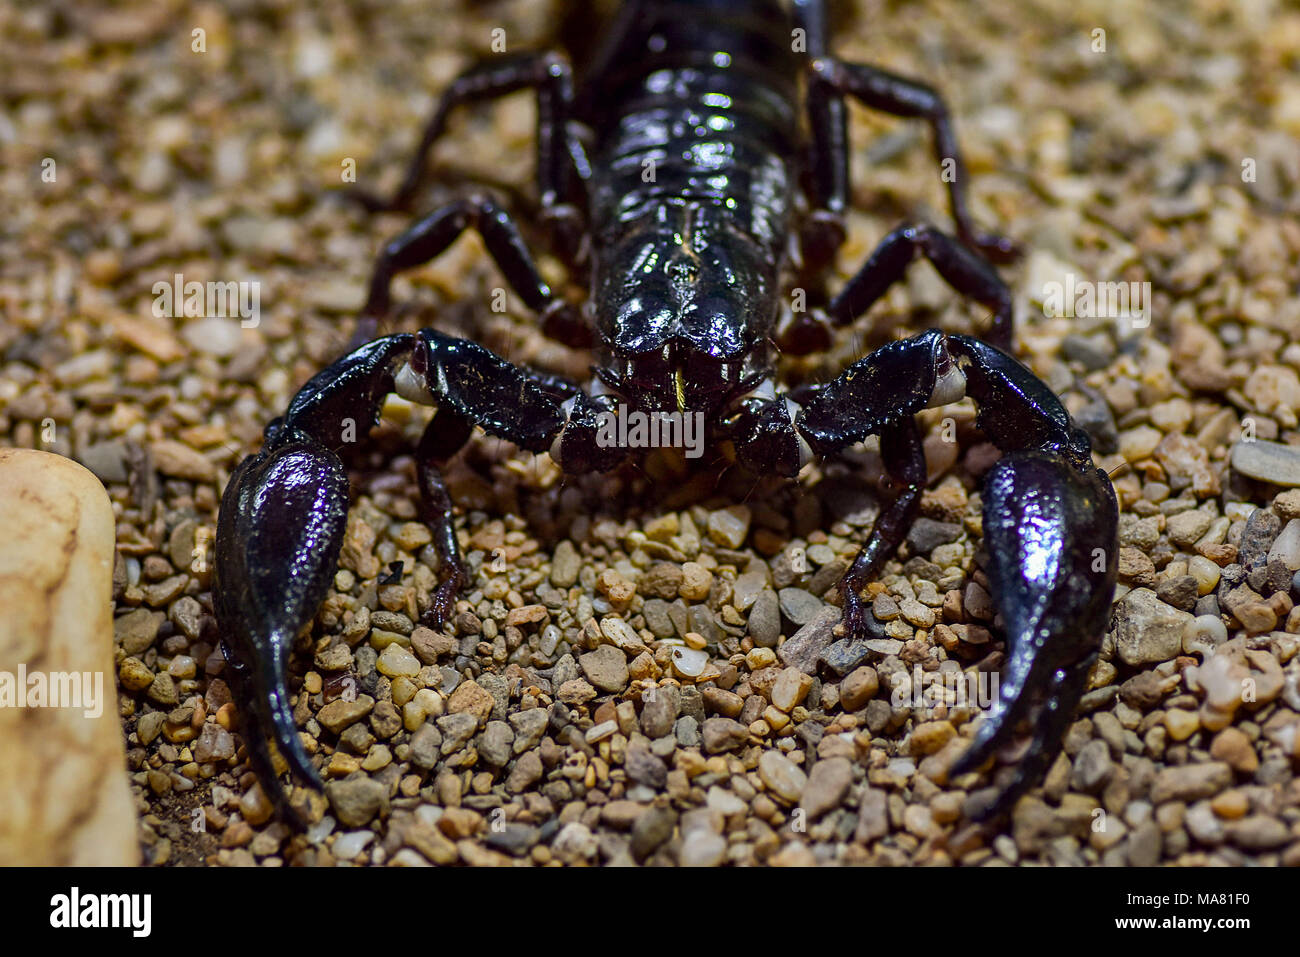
(1050, 522)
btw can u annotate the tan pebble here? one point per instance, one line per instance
(663, 528)
(858, 688)
(226, 715)
(181, 461)
(615, 586)
(341, 765)
(469, 697)
(412, 536)
(525, 615)
(1181, 724)
(1233, 748)
(1230, 804)
(696, 582)
(255, 806)
(790, 688)
(775, 718)
(134, 674)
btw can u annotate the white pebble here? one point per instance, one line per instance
(349, 845)
(689, 662)
(1201, 635)
(1286, 547)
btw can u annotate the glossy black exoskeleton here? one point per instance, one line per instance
(669, 174)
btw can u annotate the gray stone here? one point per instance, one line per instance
(1144, 845)
(704, 623)
(357, 800)
(723, 734)
(566, 669)
(529, 726)
(512, 838)
(108, 460)
(926, 535)
(643, 767)
(494, 744)
(843, 656)
(1092, 767)
(688, 731)
(765, 619)
(827, 785)
(1147, 630)
(799, 606)
(1268, 461)
(657, 620)
(456, 730)
(499, 689)
(805, 646)
(425, 745)
(1257, 537)
(652, 828)
(659, 713)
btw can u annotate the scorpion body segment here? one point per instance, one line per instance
(669, 173)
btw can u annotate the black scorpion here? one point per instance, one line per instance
(670, 172)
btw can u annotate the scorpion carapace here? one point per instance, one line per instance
(667, 174)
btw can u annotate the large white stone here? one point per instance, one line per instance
(64, 796)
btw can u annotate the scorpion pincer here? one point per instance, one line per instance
(685, 270)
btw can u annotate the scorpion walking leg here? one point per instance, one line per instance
(879, 394)
(832, 79)
(443, 437)
(828, 160)
(904, 458)
(1050, 522)
(558, 150)
(965, 271)
(431, 236)
(470, 386)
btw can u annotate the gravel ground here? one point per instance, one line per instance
(616, 685)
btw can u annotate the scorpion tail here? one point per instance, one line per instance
(280, 530)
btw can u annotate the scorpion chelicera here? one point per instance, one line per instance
(736, 110)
